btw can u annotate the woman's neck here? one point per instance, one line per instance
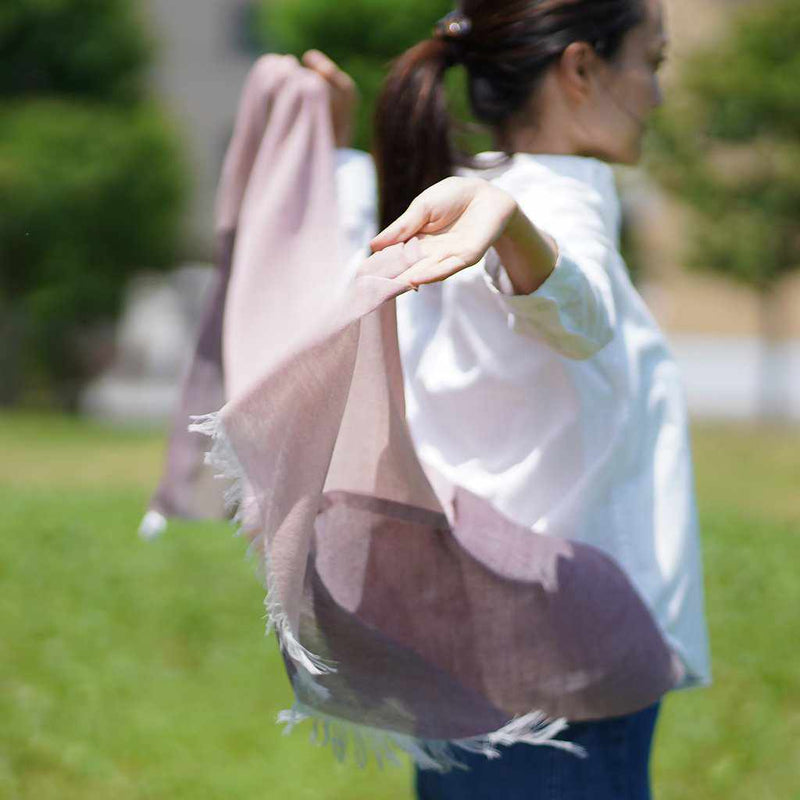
(538, 141)
(542, 127)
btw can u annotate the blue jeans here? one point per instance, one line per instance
(616, 768)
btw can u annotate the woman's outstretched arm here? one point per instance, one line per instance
(457, 220)
(561, 298)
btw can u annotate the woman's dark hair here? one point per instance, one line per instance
(506, 46)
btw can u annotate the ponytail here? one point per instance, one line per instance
(506, 47)
(413, 143)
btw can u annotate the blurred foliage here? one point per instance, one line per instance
(89, 48)
(91, 184)
(363, 37)
(91, 195)
(730, 147)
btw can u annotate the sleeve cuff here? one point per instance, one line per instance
(554, 285)
(557, 312)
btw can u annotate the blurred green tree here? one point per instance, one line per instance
(87, 48)
(729, 146)
(92, 185)
(91, 194)
(362, 36)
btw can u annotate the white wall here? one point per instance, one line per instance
(724, 376)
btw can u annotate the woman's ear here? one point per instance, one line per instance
(575, 68)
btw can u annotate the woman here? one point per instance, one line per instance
(535, 375)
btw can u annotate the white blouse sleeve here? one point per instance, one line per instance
(573, 310)
(356, 189)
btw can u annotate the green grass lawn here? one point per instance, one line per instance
(140, 670)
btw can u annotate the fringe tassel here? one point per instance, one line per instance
(225, 462)
(222, 458)
(362, 741)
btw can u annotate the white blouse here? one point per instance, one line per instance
(563, 407)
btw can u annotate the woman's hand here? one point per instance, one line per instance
(456, 221)
(344, 95)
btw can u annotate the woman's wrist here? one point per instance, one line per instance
(528, 255)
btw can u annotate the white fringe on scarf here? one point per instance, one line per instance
(362, 742)
(223, 459)
(344, 737)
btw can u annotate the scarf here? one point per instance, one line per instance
(410, 613)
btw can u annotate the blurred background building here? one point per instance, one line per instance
(205, 48)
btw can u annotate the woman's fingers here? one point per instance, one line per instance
(325, 66)
(431, 270)
(411, 222)
(455, 220)
(344, 94)
(319, 62)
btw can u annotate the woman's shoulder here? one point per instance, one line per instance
(577, 175)
(548, 184)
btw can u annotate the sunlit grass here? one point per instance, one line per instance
(133, 670)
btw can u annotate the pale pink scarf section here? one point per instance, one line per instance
(408, 617)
